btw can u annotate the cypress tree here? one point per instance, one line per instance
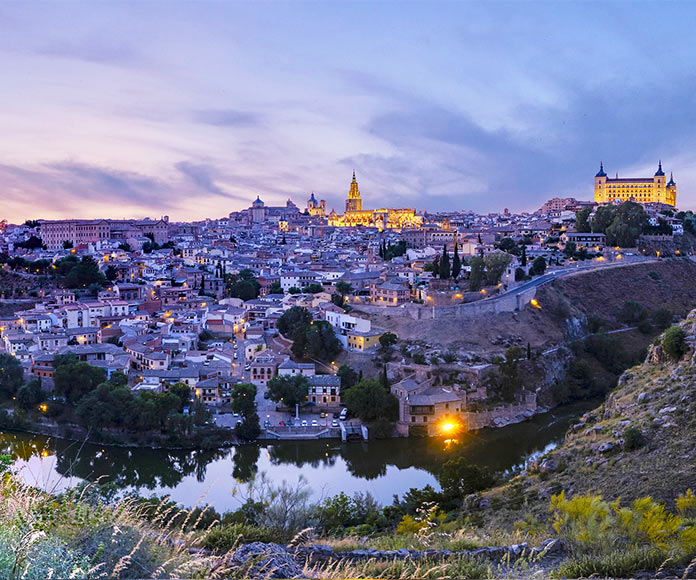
(444, 264)
(436, 266)
(456, 263)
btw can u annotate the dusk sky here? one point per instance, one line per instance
(192, 109)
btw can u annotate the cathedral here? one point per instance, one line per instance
(383, 218)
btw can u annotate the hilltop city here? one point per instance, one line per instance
(298, 310)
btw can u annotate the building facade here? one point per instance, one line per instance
(654, 189)
(382, 218)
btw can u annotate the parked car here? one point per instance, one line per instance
(281, 423)
(315, 423)
(247, 367)
(266, 423)
(291, 423)
(322, 415)
(304, 422)
(343, 415)
(334, 423)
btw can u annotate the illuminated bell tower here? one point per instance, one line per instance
(354, 202)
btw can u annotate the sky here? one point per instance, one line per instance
(192, 109)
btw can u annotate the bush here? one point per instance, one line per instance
(633, 439)
(673, 342)
(222, 539)
(615, 564)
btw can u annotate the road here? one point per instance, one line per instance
(570, 270)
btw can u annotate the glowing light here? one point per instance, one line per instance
(483, 290)
(44, 453)
(447, 427)
(535, 303)
(43, 407)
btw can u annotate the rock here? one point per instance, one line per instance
(643, 397)
(485, 503)
(665, 410)
(260, 560)
(577, 426)
(606, 447)
(548, 465)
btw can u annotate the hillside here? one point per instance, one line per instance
(664, 284)
(641, 441)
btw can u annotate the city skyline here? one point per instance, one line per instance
(191, 110)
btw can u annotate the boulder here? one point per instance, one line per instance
(260, 560)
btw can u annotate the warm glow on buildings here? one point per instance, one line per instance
(639, 189)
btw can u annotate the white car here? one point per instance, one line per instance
(304, 422)
(315, 423)
(334, 423)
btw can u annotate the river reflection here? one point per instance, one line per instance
(383, 468)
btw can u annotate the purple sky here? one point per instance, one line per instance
(192, 109)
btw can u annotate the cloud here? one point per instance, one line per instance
(92, 50)
(226, 118)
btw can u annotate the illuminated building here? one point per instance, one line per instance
(382, 218)
(316, 208)
(639, 189)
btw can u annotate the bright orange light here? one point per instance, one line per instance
(43, 407)
(44, 453)
(447, 427)
(534, 303)
(483, 290)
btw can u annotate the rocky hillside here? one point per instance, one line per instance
(640, 442)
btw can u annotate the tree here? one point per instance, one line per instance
(629, 222)
(111, 273)
(496, 263)
(338, 299)
(67, 244)
(507, 244)
(30, 395)
(294, 290)
(75, 380)
(603, 218)
(445, 264)
(523, 257)
(370, 401)
(570, 249)
(292, 318)
(290, 390)
(125, 246)
(674, 343)
(476, 275)
(275, 288)
(33, 243)
(436, 265)
(11, 376)
(245, 289)
(344, 288)
(243, 398)
(182, 392)
(632, 312)
(459, 478)
(201, 290)
(538, 266)
(582, 224)
(348, 377)
(80, 274)
(456, 263)
(249, 428)
(387, 340)
(520, 274)
(313, 288)
(322, 342)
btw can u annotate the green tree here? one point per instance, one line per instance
(370, 401)
(75, 380)
(11, 376)
(295, 317)
(582, 224)
(290, 390)
(67, 244)
(508, 245)
(111, 273)
(538, 266)
(387, 340)
(444, 264)
(344, 288)
(243, 398)
(570, 249)
(321, 341)
(603, 218)
(476, 276)
(294, 290)
(30, 395)
(496, 263)
(182, 392)
(674, 342)
(313, 288)
(348, 377)
(275, 288)
(459, 478)
(629, 222)
(338, 299)
(456, 263)
(80, 274)
(249, 428)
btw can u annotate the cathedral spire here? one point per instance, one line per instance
(354, 180)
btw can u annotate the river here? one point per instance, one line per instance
(381, 467)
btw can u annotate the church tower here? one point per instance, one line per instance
(354, 202)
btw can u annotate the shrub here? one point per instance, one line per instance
(222, 539)
(673, 342)
(654, 275)
(662, 317)
(633, 439)
(615, 564)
